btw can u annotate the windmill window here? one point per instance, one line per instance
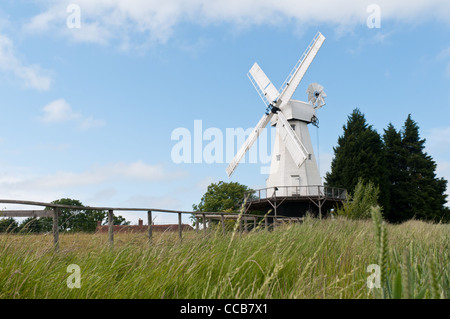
(309, 156)
(293, 126)
(278, 157)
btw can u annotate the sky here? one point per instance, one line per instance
(95, 96)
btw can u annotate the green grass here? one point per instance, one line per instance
(317, 259)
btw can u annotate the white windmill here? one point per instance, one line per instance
(293, 162)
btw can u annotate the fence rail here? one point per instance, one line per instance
(54, 210)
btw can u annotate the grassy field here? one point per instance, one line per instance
(317, 259)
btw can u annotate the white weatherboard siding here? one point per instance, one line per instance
(283, 171)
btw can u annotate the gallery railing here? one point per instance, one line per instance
(316, 191)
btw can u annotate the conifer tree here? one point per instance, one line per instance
(422, 193)
(359, 154)
(396, 173)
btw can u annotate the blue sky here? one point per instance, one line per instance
(88, 113)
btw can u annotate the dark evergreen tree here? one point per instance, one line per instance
(423, 194)
(396, 173)
(359, 154)
(398, 165)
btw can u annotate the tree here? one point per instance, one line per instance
(117, 220)
(36, 225)
(221, 197)
(8, 225)
(74, 219)
(359, 154)
(421, 193)
(78, 220)
(397, 175)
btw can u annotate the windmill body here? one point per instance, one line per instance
(293, 161)
(283, 170)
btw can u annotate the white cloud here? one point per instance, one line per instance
(102, 196)
(60, 111)
(166, 202)
(33, 76)
(437, 139)
(205, 182)
(106, 182)
(94, 176)
(90, 122)
(103, 20)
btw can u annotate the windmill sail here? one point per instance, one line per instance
(276, 103)
(296, 75)
(248, 143)
(293, 144)
(262, 84)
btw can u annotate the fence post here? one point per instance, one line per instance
(111, 227)
(150, 226)
(56, 228)
(266, 222)
(180, 230)
(223, 223)
(204, 222)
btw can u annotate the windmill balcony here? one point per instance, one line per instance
(295, 201)
(317, 191)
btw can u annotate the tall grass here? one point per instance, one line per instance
(414, 271)
(317, 259)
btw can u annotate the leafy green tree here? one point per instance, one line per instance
(36, 225)
(224, 197)
(359, 154)
(79, 220)
(221, 197)
(117, 220)
(74, 219)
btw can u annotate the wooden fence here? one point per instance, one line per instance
(53, 210)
